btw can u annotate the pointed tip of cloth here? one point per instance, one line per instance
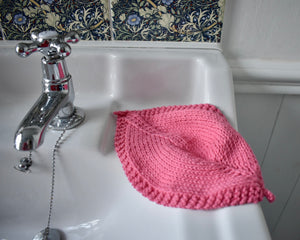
(188, 157)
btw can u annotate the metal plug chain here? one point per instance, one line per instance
(55, 150)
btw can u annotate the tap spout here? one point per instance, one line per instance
(31, 131)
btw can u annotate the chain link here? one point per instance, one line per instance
(55, 150)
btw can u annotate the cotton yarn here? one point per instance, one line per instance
(188, 157)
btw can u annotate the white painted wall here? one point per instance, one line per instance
(264, 29)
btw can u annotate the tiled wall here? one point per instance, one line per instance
(270, 124)
(142, 20)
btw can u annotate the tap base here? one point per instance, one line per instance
(62, 123)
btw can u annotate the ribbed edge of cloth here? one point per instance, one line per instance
(188, 157)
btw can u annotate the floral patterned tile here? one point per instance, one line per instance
(142, 20)
(90, 18)
(168, 20)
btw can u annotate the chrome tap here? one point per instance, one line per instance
(54, 108)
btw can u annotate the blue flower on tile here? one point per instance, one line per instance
(48, 1)
(167, 2)
(19, 19)
(133, 20)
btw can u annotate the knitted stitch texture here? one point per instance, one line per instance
(188, 157)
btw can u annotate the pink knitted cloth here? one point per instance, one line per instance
(188, 157)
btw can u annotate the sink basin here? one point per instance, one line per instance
(93, 198)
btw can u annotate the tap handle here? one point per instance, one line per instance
(49, 43)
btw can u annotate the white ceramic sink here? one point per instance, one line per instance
(93, 198)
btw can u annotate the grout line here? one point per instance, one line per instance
(272, 131)
(111, 21)
(286, 203)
